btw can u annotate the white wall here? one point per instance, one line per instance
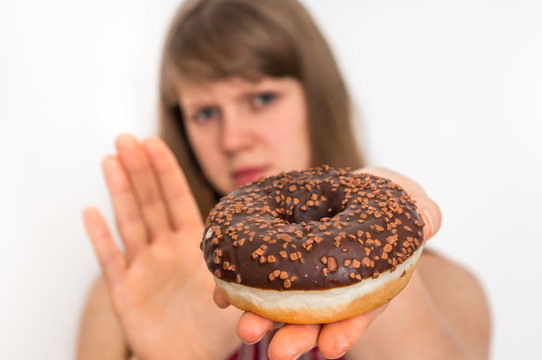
(449, 92)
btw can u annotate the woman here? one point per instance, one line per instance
(248, 89)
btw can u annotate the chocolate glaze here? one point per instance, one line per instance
(311, 230)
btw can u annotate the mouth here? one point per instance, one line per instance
(245, 175)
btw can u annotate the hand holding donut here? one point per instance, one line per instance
(159, 288)
(337, 337)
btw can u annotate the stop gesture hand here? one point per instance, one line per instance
(160, 288)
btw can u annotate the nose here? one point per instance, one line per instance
(235, 135)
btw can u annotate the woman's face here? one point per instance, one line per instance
(241, 130)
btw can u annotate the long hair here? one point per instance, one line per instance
(219, 39)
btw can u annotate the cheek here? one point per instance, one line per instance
(290, 139)
(205, 147)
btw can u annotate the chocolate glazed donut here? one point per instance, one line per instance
(314, 246)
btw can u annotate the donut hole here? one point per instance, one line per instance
(318, 214)
(333, 210)
(326, 209)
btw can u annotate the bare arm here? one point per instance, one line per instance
(100, 334)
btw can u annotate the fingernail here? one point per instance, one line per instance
(336, 357)
(252, 343)
(428, 228)
(124, 139)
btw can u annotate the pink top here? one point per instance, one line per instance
(258, 351)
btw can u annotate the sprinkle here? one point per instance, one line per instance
(259, 251)
(331, 264)
(284, 237)
(209, 234)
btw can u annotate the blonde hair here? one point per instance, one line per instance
(218, 39)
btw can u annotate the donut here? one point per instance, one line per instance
(313, 246)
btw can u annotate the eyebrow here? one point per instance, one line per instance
(198, 105)
(255, 88)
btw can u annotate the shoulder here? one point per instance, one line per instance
(446, 277)
(460, 298)
(100, 334)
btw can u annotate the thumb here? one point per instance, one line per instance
(219, 299)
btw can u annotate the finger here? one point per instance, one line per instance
(127, 215)
(180, 202)
(432, 217)
(427, 208)
(109, 256)
(219, 299)
(143, 182)
(251, 327)
(337, 338)
(290, 341)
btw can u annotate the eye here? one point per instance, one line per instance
(205, 114)
(263, 99)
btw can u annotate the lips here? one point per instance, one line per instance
(245, 175)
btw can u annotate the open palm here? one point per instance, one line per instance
(160, 288)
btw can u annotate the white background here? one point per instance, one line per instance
(449, 93)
